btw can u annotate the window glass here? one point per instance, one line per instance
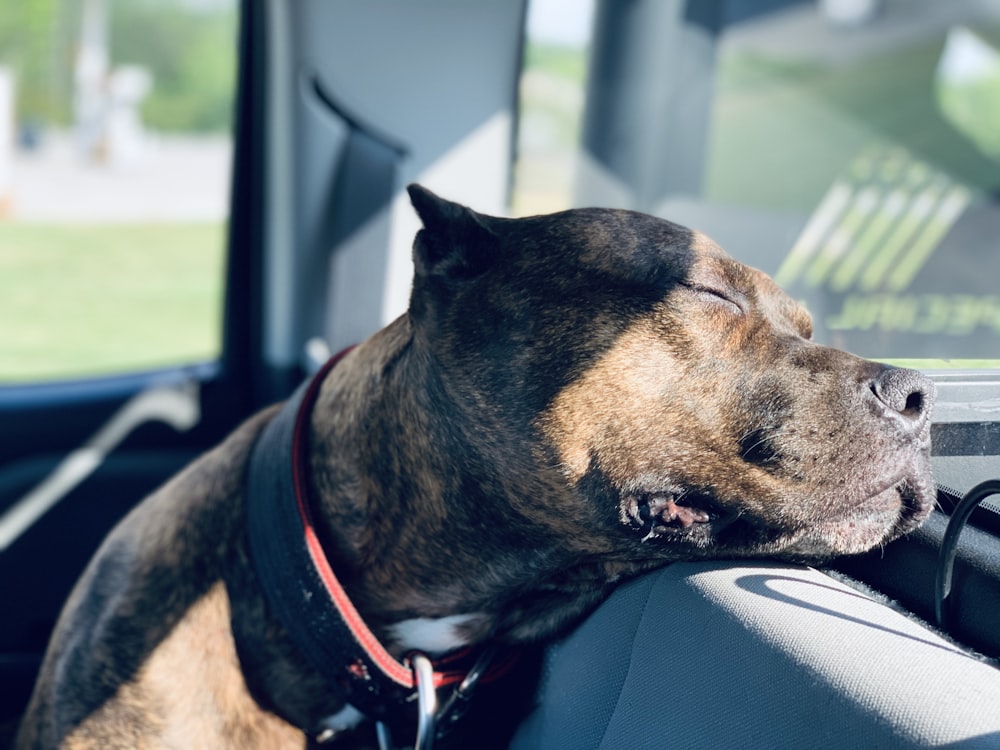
(850, 149)
(552, 94)
(115, 150)
(882, 132)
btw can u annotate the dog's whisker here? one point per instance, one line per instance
(763, 434)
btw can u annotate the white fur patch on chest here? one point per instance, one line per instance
(432, 635)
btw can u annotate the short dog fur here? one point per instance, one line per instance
(571, 399)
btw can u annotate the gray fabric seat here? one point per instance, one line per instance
(728, 655)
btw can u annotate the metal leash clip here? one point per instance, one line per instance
(455, 706)
(434, 720)
(427, 702)
(427, 706)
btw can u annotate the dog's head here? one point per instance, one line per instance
(638, 382)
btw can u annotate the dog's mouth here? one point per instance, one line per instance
(883, 517)
(669, 514)
(911, 499)
(698, 520)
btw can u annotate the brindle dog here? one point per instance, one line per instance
(571, 399)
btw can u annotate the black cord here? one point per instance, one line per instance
(949, 548)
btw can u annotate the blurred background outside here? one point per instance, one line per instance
(115, 147)
(852, 149)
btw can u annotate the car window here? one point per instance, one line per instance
(115, 150)
(850, 149)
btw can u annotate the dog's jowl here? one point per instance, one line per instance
(570, 399)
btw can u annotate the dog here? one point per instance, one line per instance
(570, 400)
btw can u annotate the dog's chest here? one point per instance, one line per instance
(431, 635)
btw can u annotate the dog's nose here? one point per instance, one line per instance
(908, 394)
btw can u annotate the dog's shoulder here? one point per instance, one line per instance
(160, 567)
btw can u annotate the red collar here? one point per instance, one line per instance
(302, 589)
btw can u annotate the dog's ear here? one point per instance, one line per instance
(455, 241)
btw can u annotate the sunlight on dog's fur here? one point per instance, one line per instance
(570, 400)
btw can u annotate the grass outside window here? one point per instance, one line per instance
(90, 300)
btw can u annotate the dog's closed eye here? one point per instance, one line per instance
(731, 299)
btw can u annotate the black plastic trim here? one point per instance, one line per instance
(965, 439)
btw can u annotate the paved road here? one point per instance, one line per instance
(172, 180)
